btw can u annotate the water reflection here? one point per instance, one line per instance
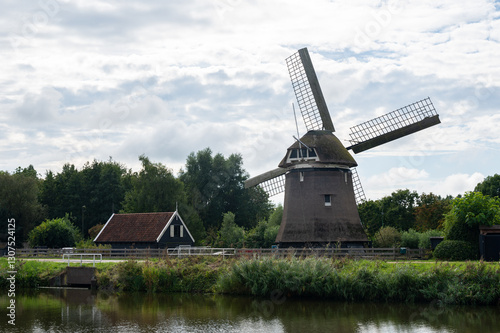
(69, 310)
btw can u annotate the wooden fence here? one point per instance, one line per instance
(141, 254)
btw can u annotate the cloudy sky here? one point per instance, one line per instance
(86, 79)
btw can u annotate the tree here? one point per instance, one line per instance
(154, 189)
(230, 233)
(371, 215)
(264, 234)
(55, 233)
(90, 195)
(215, 184)
(387, 237)
(429, 214)
(19, 200)
(489, 186)
(103, 190)
(468, 213)
(398, 209)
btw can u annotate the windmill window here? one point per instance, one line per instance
(302, 154)
(172, 230)
(301, 176)
(328, 200)
(181, 231)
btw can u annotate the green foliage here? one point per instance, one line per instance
(264, 234)
(410, 239)
(230, 233)
(476, 209)
(455, 250)
(94, 231)
(387, 237)
(425, 238)
(154, 189)
(32, 274)
(215, 184)
(467, 214)
(370, 213)
(177, 275)
(19, 200)
(474, 283)
(89, 244)
(363, 281)
(396, 210)
(429, 214)
(99, 186)
(418, 240)
(55, 233)
(489, 186)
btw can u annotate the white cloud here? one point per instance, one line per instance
(166, 78)
(457, 184)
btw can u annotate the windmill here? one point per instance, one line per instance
(318, 173)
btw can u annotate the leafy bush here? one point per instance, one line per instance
(89, 244)
(418, 240)
(387, 237)
(425, 238)
(410, 239)
(455, 250)
(55, 233)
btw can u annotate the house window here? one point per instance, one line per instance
(182, 230)
(328, 200)
(172, 230)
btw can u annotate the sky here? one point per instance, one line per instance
(85, 79)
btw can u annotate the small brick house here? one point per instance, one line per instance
(145, 230)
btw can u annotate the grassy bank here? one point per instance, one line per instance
(347, 280)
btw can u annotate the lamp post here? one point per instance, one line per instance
(83, 217)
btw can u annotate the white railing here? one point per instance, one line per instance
(81, 255)
(143, 254)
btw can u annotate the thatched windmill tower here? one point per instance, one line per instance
(318, 173)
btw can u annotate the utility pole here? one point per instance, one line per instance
(83, 218)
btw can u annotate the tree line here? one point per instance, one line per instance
(209, 186)
(404, 209)
(209, 193)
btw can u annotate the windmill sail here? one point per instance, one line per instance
(359, 193)
(309, 96)
(273, 182)
(394, 125)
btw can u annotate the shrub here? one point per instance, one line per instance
(387, 237)
(424, 238)
(410, 239)
(455, 250)
(55, 233)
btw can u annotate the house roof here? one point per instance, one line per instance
(138, 227)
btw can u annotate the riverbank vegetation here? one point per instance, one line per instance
(323, 278)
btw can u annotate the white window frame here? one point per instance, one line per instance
(303, 158)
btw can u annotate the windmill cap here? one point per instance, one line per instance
(328, 148)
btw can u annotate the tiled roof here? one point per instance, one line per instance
(140, 227)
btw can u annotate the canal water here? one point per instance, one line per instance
(70, 310)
